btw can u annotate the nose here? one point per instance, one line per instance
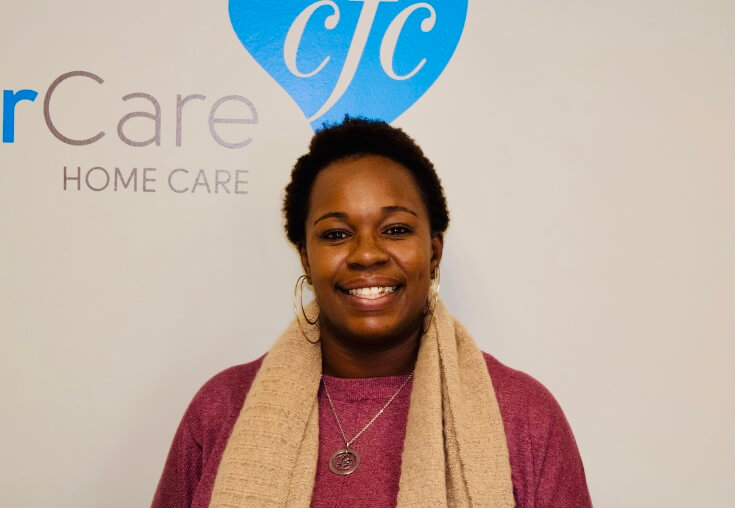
(367, 252)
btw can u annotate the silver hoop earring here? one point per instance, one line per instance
(433, 299)
(298, 303)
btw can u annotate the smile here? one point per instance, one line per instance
(371, 293)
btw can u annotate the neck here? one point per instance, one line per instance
(341, 358)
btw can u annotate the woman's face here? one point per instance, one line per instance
(369, 251)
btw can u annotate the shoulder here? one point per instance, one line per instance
(530, 412)
(520, 395)
(191, 465)
(546, 467)
(221, 397)
(229, 381)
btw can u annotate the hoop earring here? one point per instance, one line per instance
(298, 302)
(433, 299)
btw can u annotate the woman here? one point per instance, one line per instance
(374, 396)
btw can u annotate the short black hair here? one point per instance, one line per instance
(356, 137)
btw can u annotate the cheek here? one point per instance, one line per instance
(418, 267)
(323, 265)
(417, 259)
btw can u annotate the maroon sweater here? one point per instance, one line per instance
(545, 464)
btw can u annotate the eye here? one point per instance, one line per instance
(397, 230)
(335, 235)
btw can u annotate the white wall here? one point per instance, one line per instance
(587, 153)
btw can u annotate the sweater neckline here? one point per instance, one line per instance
(368, 388)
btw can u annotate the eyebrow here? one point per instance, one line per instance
(398, 208)
(386, 210)
(339, 215)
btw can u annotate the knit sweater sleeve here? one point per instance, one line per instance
(547, 469)
(182, 470)
(192, 462)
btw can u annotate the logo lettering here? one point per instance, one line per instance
(360, 57)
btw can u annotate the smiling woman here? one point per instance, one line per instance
(375, 395)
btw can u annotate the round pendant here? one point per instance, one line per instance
(344, 461)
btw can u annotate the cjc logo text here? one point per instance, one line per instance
(371, 58)
(248, 116)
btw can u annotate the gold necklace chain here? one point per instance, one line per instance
(334, 411)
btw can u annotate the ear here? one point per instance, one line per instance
(437, 247)
(305, 260)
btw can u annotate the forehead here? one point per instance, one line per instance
(364, 185)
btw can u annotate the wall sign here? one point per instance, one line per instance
(372, 58)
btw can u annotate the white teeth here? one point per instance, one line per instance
(372, 292)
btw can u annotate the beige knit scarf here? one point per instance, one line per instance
(455, 452)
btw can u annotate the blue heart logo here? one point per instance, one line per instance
(372, 58)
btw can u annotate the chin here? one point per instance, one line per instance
(376, 331)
